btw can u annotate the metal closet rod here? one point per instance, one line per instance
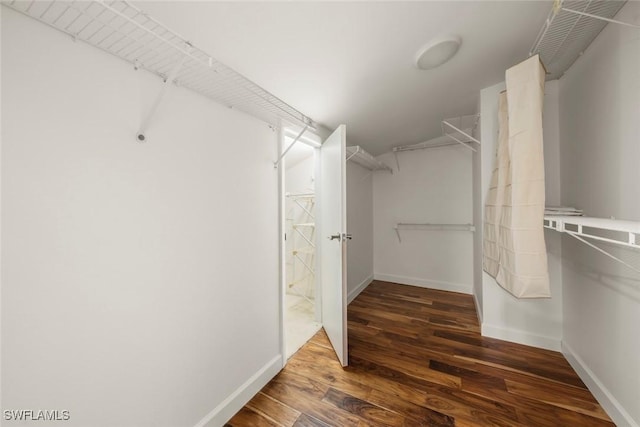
(423, 146)
(432, 226)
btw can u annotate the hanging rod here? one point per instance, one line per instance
(579, 228)
(301, 195)
(361, 157)
(125, 31)
(423, 146)
(431, 226)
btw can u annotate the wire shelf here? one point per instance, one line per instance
(121, 29)
(566, 34)
(626, 232)
(361, 157)
(611, 231)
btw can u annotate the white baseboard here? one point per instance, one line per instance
(232, 404)
(355, 292)
(521, 337)
(609, 403)
(424, 283)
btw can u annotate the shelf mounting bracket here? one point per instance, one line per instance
(284, 153)
(354, 153)
(140, 136)
(446, 123)
(602, 251)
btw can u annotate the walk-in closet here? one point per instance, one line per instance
(327, 213)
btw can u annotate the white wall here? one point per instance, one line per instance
(599, 110)
(360, 226)
(432, 186)
(536, 322)
(131, 289)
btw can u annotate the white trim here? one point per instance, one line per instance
(319, 232)
(282, 279)
(521, 337)
(424, 283)
(478, 310)
(356, 291)
(605, 398)
(232, 404)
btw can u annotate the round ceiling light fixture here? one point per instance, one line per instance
(437, 52)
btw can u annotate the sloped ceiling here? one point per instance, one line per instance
(352, 62)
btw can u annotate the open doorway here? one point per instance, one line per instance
(301, 293)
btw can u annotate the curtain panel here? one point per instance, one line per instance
(514, 247)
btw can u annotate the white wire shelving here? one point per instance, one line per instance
(125, 31)
(358, 155)
(569, 29)
(455, 130)
(431, 227)
(460, 129)
(613, 231)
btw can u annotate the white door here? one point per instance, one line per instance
(332, 241)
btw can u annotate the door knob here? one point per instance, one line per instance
(346, 236)
(334, 237)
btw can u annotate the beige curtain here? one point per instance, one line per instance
(514, 247)
(495, 197)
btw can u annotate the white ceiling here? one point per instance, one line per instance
(352, 62)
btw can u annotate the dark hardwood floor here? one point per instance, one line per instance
(417, 359)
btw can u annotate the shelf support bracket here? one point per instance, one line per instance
(141, 137)
(354, 153)
(395, 154)
(284, 153)
(602, 251)
(464, 144)
(446, 123)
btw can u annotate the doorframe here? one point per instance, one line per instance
(314, 140)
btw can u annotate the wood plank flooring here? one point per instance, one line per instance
(417, 359)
